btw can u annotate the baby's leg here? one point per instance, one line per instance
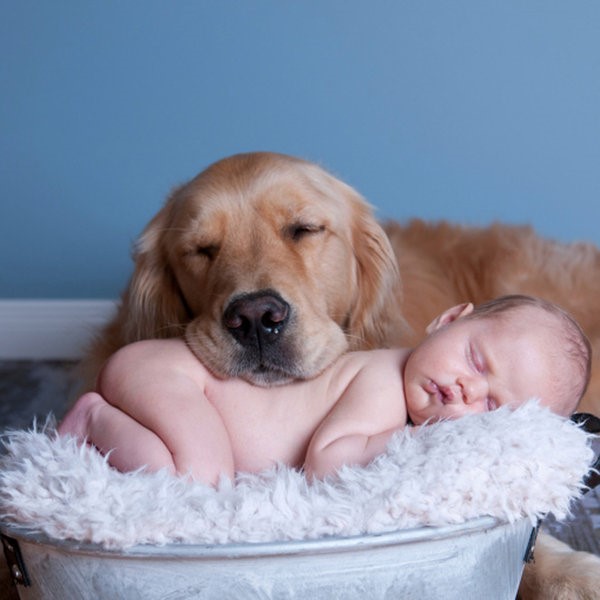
(160, 386)
(131, 445)
(190, 439)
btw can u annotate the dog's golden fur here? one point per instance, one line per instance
(559, 573)
(262, 223)
(443, 264)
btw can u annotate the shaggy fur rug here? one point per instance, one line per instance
(505, 464)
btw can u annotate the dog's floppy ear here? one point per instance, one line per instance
(376, 319)
(153, 306)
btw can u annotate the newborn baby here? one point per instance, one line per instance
(157, 406)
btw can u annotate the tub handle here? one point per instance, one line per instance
(15, 561)
(528, 558)
(591, 424)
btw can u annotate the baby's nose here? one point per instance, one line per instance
(474, 390)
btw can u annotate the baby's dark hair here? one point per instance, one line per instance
(574, 341)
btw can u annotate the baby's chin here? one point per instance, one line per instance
(418, 417)
(418, 420)
(419, 407)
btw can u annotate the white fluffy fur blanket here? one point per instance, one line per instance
(504, 464)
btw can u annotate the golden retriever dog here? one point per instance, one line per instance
(271, 268)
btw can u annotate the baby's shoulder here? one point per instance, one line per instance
(372, 383)
(381, 359)
(385, 366)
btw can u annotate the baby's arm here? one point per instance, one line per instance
(360, 424)
(159, 386)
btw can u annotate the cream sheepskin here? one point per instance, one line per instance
(506, 464)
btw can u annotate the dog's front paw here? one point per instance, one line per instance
(560, 573)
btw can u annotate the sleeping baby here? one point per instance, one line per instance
(157, 406)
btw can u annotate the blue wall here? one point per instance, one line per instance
(472, 111)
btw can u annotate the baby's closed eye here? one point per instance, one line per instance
(476, 359)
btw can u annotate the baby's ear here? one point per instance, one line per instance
(456, 312)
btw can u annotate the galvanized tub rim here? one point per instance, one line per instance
(240, 550)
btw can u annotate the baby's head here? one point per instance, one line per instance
(500, 353)
(570, 344)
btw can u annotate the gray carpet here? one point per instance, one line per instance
(33, 389)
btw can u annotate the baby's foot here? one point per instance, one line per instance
(76, 421)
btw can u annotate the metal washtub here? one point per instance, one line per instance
(482, 558)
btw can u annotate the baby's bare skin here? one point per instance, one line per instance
(217, 427)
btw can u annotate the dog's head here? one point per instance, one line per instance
(268, 265)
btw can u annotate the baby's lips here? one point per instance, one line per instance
(449, 394)
(432, 388)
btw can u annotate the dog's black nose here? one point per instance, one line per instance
(257, 318)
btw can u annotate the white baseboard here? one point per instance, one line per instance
(50, 329)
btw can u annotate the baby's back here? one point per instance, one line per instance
(276, 424)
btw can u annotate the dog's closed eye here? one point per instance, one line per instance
(208, 251)
(297, 231)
